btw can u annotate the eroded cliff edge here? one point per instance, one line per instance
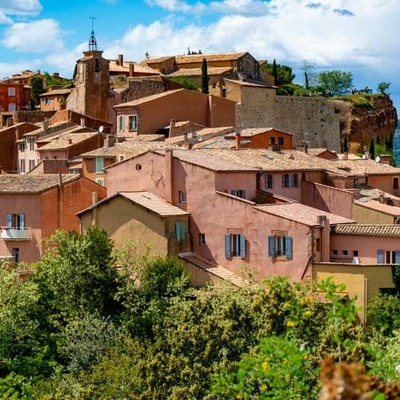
(363, 117)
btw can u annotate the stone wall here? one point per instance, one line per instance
(307, 118)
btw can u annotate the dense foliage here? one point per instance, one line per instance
(95, 323)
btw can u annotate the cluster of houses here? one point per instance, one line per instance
(195, 176)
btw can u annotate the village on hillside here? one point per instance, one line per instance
(238, 182)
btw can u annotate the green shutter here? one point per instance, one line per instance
(180, 231)
(271, 246)
(227, 245)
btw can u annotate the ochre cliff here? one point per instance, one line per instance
(365, 117)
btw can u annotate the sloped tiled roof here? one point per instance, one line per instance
(67, 140)
(301, 213)
(378, 206)
(249, 132)
(154, 203)
(209, 161)
(197, 71)
(147, 98)
(198, 58)
(391, 230)
(27, 184)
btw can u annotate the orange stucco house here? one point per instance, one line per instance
(152, 113)
(34, 207)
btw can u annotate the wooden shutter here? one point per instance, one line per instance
(288, 246)
(271, 246)
(227, 245)
(242, 246)
(180, 231)
(380, 256)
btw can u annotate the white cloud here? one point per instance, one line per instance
(20, 7)
(35, 37)
(6, 69)
(178, 6)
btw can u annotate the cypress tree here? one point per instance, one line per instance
(204, 77)
(372, 149)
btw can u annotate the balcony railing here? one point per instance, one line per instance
(14, 234)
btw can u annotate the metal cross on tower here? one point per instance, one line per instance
(92, 40)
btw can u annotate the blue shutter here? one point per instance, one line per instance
(242, 246)
(380, 258)
(397, 260)
(227, 245)
(272, 181)
(21, 221)
(288, 246)
(271, 246)
(291, 181)
(180, 231)
(9, 221)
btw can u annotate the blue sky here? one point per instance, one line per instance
(359, 36)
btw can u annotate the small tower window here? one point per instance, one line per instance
(96, 65)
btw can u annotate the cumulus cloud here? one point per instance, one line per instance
(38, 36)
(20, 7)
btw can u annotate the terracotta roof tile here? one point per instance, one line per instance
(302, 214)
(154, 203)
(378, 206)
(65, 141)
(147, 99)
(197, 71)
(25, 184)
(391, 230)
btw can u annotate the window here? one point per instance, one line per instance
(11, 92)
(269, 181)
(290, 180)
(22, 147)
(15, 254)
(223, 92)
(31, 164)
(388, 256)
(280, 246)
(180, 231)
(182, 197)
(121, 157)
(46, 101)
(202, 239)
(16, 221)
(99, 164)
(12, 107)
(318, 244)
(97, 65)
(100, 181)
(121, 123)
(280, 141)
(272, 140)
(22, 166)
(334, 253)
(235, 245)
(395, 183)
(133, 122)
(31, 144)
(239, 193)
(355, 253)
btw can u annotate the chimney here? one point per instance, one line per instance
(45, 124)
(95, 197)
(237, 139)
(169, 175)
(109, 141)
(131, 69)
(121, 60)
(172, 128)
(56, 75)
(325, 238)
(82, 121)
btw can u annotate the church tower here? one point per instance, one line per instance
(91, 80)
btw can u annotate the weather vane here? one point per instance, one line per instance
(92, 40)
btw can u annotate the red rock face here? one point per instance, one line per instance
(361, 124)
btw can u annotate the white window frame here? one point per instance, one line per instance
(182, 197)
(133, 122)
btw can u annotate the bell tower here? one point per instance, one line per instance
(92, 82)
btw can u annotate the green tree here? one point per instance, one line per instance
(77, 273)
(53, 81)
(372, 149)
(278, 368)
(335, 82)
(284, 73)
(275, 72)
(37, 88)
(204, 77)
(383, 87)
(186, 82)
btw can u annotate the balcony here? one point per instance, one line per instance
(14, 234)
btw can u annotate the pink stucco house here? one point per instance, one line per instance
(33, 207)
